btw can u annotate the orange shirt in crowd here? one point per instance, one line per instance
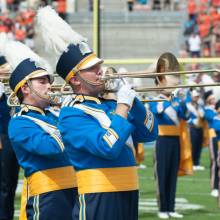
(216, 3)
(203, 8)
(204, 30)
(191, 7)
(9, 1)
(3, 28)
(20, 34)
(61, 6)
(27, 17)
(204, 18)
(215, 19)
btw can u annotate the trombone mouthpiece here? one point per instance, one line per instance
(54, 99)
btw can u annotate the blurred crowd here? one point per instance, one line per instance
(17, 17)
(202, 29)
(170, 5)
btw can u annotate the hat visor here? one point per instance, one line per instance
(91, 63)
(43, 73)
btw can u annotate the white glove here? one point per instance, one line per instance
(126, 95)
(114, 84)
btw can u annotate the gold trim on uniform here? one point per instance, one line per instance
(91, 98)
(82, 98)
(27, 108)
(169, 130)
(51, 180)
(212, 133)
(110, 137)
(107, 180)
(113, 132)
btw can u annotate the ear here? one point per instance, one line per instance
(75, 81)
(25, 89)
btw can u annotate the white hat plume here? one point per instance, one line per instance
(16, 52)
(55, 32)
(3, 41)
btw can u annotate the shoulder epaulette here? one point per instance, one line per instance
(23, 109)
(70, 101)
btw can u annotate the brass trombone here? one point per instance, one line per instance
(167, 65)
(151, 75)
(166, 76)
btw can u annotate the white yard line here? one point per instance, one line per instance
(181, 179)
(150, 205)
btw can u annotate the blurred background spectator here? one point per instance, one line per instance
(194, 43)
(204, 18)
(17, 17)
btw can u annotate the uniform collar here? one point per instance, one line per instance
(27, 108)
(82, 98)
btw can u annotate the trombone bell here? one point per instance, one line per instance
(167, 62)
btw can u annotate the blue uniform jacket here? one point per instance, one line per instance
(216, 125)
(4, 115)
(92, 145)
(167, 112)
(210, 114)
(35, 149)
(195, 114)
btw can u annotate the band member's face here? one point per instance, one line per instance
(211, 101)
(195, 98)
(40, 86)
(92, 75)
(4, 70)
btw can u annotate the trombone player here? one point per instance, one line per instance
(167, 151)
(36, 141)
(210, 116)
(9, 167)
(98, 134)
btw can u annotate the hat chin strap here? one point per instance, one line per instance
(52, 100)
(91, 83)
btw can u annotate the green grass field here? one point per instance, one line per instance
(193, 193)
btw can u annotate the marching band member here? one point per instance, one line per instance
(9, 164)
(217, 130)
(9, 167)
(167, 153)
(169, 114)
(210, 114)
(196, 114)
(98, 134)
(36, 140)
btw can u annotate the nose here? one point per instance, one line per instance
(100, 72)
(49, 86)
